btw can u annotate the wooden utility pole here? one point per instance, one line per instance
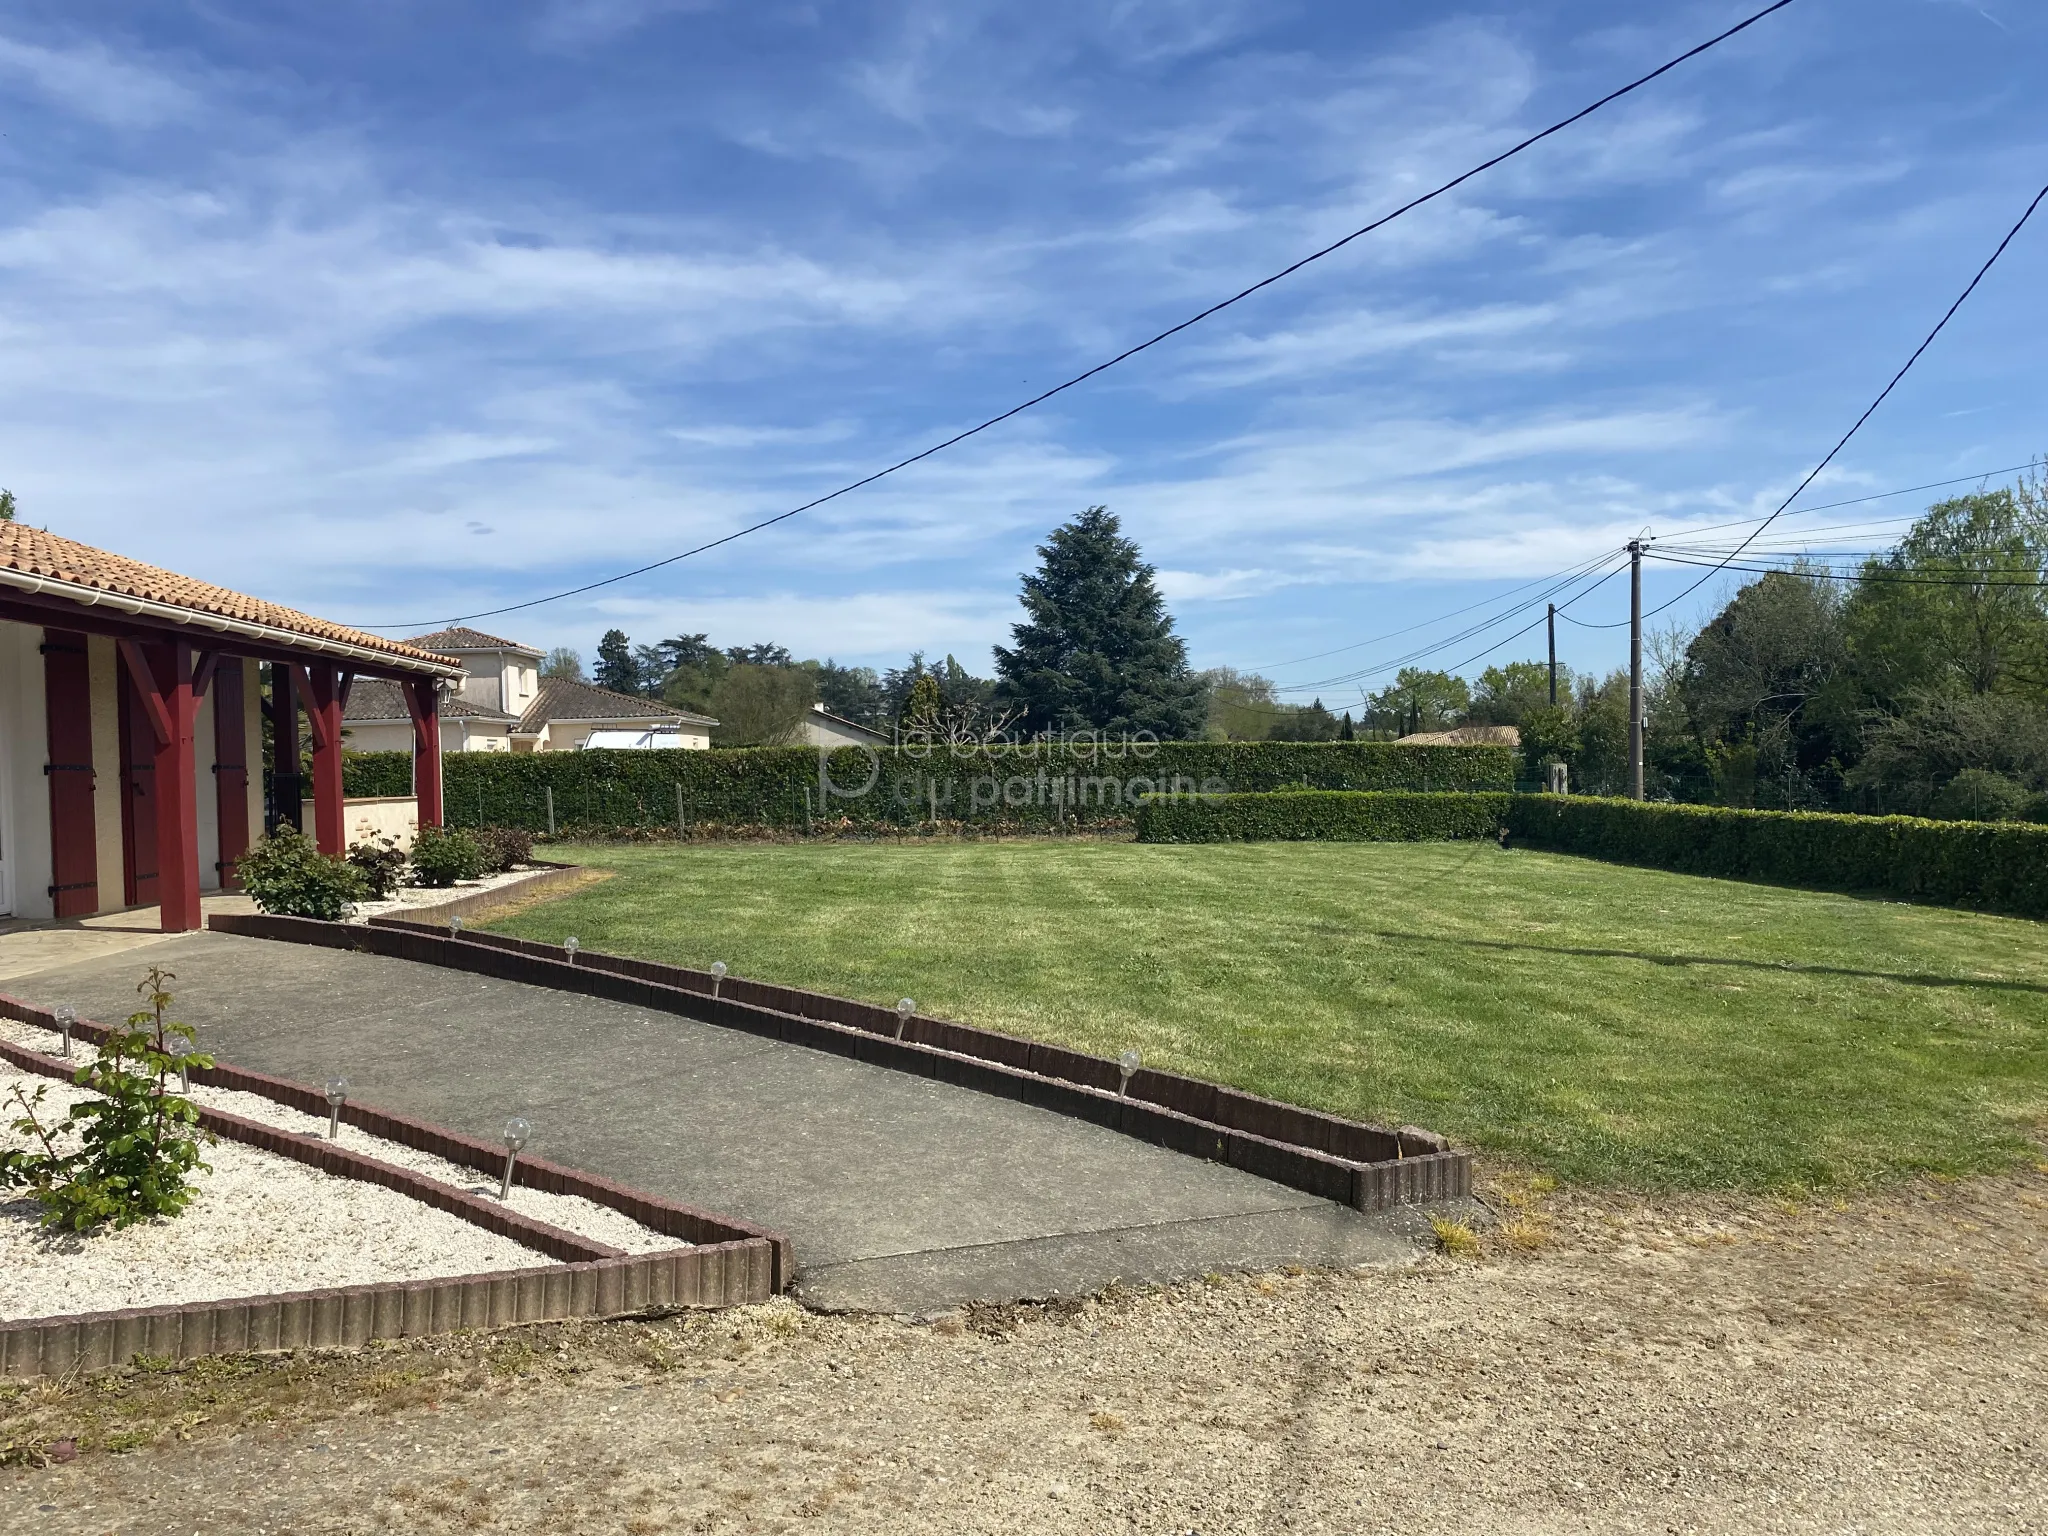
(1635, 669)
(1553, 655)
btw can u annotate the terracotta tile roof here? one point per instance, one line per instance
(460, 639)
(561, 699)
(35, 552)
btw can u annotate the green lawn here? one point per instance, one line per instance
(1612, 1025)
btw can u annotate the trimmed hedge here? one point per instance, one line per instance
(1024, 787)
(1326, 815)
(1998, 866)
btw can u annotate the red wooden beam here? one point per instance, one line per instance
(162, 675)
(323, 686)
(149, 689)
(423, 703)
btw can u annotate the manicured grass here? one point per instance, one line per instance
(1613, 1025)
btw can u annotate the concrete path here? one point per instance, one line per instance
(900, 1194)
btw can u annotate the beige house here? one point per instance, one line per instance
(822, 728)
(503, 704)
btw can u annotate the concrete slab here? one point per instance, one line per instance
(900, 1194)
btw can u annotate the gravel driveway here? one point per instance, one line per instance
(1693, 1365)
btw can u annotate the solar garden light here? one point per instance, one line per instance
(517, 1129)
(1126, 1068)
(718, 969)
(569, 948)
(904, 1009)
(66, 1016)
(337, 1095)
(455, 926)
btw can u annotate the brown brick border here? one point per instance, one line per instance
(547, 874)
(1368, 1167)
(731, 1263)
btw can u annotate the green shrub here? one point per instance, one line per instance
(503, 847)
(1008, 787)
(442, 856)
(1294, 814)
(376, 775)
(381, 863)
(288, 875)
(1977, 794)
(135, 1148)
(2001, 867)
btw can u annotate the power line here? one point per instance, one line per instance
(1410, 629)
(1827, 506)
(1465, 634)
(1129, 352)
(1868, 411)
(1989, 579)
(1857, 501)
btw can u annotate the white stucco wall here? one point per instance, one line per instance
(103, 675)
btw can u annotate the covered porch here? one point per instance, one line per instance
(133, 712)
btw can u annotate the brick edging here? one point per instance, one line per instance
(1368, 1167)
(720, 1275)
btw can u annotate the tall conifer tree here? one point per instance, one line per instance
(1097, 648)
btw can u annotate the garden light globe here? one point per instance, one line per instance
(905, 1007)
(517, 1130)
(1127, 1068)
(337, 1094)
(66, 1016)
(569, 948)
(455, 923)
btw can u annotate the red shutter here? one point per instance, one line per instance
(138, 794)
(230, 768)
(67, 696)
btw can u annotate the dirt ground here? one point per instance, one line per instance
(1597, 1365)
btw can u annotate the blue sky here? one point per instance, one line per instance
(395, 310)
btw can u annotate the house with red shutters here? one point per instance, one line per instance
(132, 707)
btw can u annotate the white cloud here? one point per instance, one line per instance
(572, 24)
(90, 81)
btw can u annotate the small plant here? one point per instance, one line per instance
(381, 864)
(1453, 1238)
(503, 847)
(289, 876)
(442, 856)
(136, 1149)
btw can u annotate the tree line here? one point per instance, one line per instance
(1917, 683)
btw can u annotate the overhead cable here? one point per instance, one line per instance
(1129, 352)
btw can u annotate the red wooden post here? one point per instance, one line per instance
(322, 686)
(163, 673)
(423, 703)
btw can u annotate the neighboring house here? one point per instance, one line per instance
(503, 704)
(1466, 736)
(566, 713)
(131, 727)
(822, 728)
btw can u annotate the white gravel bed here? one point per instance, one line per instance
(259, 1224)
(408, 897)
(572, 1213)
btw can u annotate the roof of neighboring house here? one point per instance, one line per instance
(822, 713)
(374, 698)
(560, 698)
(1466, 736)
(451, 641)
(33, 553)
